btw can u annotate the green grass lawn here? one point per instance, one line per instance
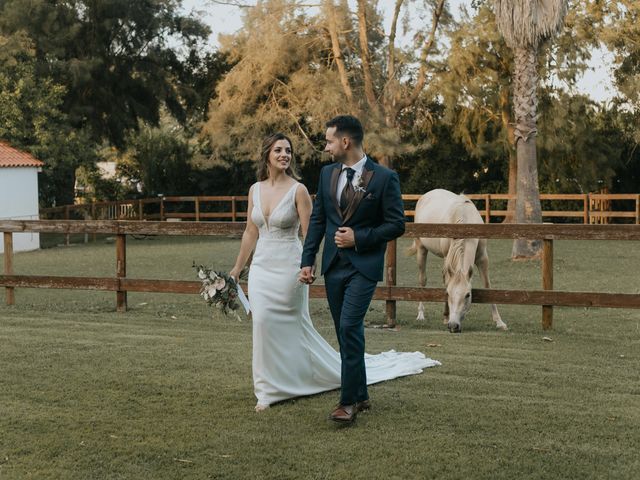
(164, 391)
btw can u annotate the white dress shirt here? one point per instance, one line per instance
(342, 180)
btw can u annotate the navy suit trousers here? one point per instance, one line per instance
(349, 294)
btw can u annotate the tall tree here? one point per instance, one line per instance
(476, 89)
(294, 70)
(620, 32)
(578, 148)
(524, 25)
(280, 81)
(32, 119)
(159, 159)
(391, 78)
(476, 85)
(120, 61)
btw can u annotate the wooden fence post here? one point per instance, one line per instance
(638, 210)
(66, 217)
(93, 217)
(161, 209)
(233, 209)
(121, 270)
(391, 281)
(585, 209)
(547, 281)
(87, 216)
(140, 210)
(8, 266)
(197, 209)
(487, 208)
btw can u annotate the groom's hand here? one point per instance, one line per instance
(345, 237)
(307, 275)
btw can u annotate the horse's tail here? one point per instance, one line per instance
(413, 249)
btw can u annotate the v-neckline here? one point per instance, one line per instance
(264, 217)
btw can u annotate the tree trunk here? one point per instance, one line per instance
(528, 203)
(365, 56)
(391, 122)
(528, 193)
(513, 188)
(507, 125)
(332, 23)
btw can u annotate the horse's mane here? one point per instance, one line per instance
(454, 261)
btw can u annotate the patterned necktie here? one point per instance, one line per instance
(348, 192)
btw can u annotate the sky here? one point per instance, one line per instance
(596, 82)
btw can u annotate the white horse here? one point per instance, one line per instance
(443, 206)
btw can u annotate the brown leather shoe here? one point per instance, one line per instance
(344, 414)
(363, 405)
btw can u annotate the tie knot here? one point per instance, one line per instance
(350, 173)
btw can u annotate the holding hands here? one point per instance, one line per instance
(307, 275)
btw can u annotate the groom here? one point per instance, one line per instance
(358, 209)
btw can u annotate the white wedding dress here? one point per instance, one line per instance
(290, 358)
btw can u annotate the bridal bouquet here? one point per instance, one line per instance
(220, 289)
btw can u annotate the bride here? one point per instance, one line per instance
(290, 358)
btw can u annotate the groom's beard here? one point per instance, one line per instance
(338, 158)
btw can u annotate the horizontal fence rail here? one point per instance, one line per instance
(432, 230)
(391, 293)
(413, 294)
(589, 208)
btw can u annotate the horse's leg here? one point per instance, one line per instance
(483, 267)
(445, 317)
(421, 259)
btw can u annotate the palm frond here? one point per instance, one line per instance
(527, 22)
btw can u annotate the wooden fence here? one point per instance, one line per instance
(234, 208)
(546, 297)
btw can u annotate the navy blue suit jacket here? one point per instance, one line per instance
(376, 216)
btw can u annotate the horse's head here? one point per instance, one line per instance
(458, 286)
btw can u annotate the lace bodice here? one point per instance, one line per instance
(283, 222)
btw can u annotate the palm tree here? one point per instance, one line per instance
(524, 24)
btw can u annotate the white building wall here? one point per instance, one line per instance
(19, 201)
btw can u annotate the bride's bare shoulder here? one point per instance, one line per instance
(301, 189)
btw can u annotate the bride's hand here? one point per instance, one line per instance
(235, 274)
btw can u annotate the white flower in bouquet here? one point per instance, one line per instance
(219, 283)
(213, 275)
(211, 291)
(202, 275)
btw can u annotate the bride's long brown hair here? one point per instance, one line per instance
(263, 166)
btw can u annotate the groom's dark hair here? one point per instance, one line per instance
(349, 126)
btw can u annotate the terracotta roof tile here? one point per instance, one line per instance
(10, 157)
